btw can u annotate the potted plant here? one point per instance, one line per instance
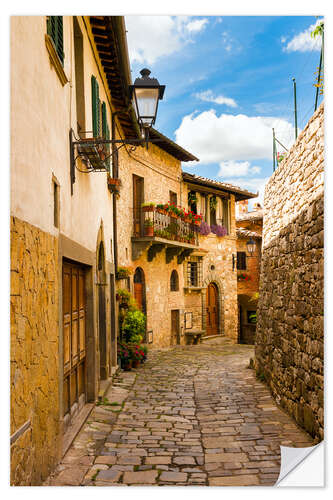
(148, 207)
(113, 181)
(145, 353)
(160, 207)
(136, 354)
(123, 296)
(124, 354)
(149, 227)
(123, 273)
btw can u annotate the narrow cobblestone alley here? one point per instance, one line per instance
(193, 415)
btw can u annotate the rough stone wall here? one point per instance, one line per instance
(289, 337)
(252, 268)
(34, 353)
(160, 301)
(220, 251)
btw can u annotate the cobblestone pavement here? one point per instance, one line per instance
(192, 415)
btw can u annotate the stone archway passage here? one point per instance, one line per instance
(212, 319)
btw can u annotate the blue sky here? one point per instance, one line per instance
(228, 82)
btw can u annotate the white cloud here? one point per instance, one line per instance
(197, 25)
(208, 96)
(227, 41)
(304, 42)
(153, 37)
(253, 185)
(216, 139)
(237, 169)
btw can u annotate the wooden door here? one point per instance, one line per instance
(74, 342)
(138, 199)
(139, 289)
(175, 333)
(212, 310)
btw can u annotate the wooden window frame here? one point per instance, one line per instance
(53, 49)
(241, 261)
(174, 281)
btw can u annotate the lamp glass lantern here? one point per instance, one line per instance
(251, 246)
(146, 92)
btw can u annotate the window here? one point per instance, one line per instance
(174, 281)
(212, 210)
(226, 215)
(194, 272)
(241, 260)
(173, 197)
(251, 316)
(95, 106)
(56, 203)
(79, 77)
(192, 201)
(55, 31)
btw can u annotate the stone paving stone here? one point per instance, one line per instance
(244, 480)
(173, 476)
(105, 459)
(110, 476)
(146, 477)
(225, 457)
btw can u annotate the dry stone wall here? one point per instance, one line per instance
(289, 337)
(34, 354)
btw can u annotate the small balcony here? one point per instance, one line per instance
(155, 229)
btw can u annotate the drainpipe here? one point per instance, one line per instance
(114, 200)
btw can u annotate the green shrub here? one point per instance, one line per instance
(134, 324)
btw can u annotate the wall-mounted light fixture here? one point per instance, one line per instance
(251, 246)
(145, 94)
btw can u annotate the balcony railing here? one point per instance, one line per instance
(156, 223)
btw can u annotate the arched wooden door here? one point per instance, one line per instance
(212, 320)
(139, 289)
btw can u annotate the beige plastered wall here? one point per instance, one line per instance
(43, 111)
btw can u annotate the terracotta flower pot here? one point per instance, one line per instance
(135, 363)
(127, 365)
(149, 230)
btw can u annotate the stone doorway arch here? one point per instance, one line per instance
(212, 281)
(140, 289)
(101, 298)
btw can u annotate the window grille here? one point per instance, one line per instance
(194, 272)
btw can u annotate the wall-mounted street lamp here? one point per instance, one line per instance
(145, 94)
(251, 246)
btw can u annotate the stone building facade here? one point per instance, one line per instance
(248, 228)
(204, 301)
(63, 317)
(290, 330)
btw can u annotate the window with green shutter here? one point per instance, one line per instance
(56, 33)
(106, 132)
(95, 106)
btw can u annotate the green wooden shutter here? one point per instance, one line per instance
(104, 124)
(56, 32)
(95, 106)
